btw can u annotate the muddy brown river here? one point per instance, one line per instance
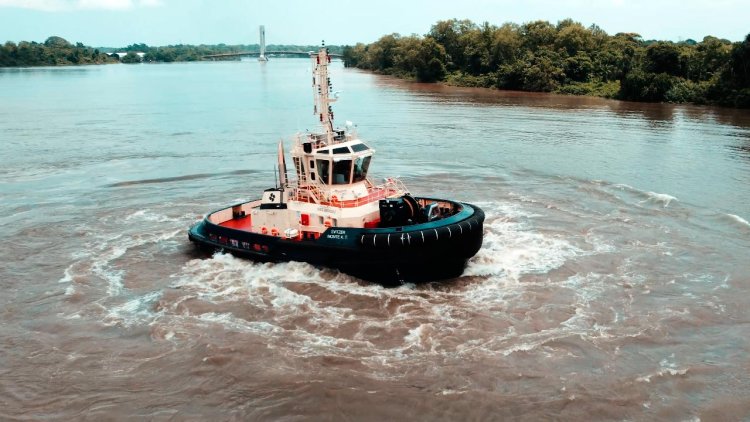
(613, 282)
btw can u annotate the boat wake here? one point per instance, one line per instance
(662, 198)
(303, 311)
(543, 283)
(739, 220)
(179, 178)
(511, 248)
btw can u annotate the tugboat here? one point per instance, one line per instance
(333, 215)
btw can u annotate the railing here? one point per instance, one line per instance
(312, 194)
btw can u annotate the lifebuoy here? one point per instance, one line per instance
(274, 231)
(263, 230)
(327, 223)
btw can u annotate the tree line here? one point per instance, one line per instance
(565, 58)
(57, 51)
(54, 51)
(186, 52)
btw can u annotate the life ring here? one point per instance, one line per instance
(263, 230)
(274, 231)
(328, 223)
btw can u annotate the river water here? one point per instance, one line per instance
(613, 283)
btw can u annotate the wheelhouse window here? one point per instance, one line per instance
(361, 165)
(323, 166)
(342, 171)
(359, 147)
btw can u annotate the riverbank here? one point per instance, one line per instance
(565, 58)
(57, 51)
(609, 89)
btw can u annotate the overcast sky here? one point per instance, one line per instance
(160, 22)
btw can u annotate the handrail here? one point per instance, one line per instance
(311, 193)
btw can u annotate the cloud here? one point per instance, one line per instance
(61, 5)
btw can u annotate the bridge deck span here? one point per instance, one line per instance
(257, 53)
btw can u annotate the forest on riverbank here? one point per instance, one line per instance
(57, 51)
(565, 58)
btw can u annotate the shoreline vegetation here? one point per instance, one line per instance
(57, 51)
(565, 58)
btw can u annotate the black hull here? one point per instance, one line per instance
(416, 253)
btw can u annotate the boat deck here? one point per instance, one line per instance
(244, 223)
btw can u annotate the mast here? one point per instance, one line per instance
(282, 164)
(321, 90)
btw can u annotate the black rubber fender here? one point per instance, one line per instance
(392, 239)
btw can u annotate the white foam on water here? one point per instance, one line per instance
(667, 366)
(225, 278)
(739, 220)
(650, 197)
(318, 301)
(106, 251)
(662, 198)
(102, 268)
(265, 287)
(420, 337)
(136, 311)
(511, 249)
(624, 186)
(67, 275)
(239, 324)
(151, 216)
(662, 373)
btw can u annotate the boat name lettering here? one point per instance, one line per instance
(337, 234)
(326, 209)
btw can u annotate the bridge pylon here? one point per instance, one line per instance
(262, 57)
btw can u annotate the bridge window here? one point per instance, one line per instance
(361, 165)
(342, 171)
(341, 150)
(359, 147)
(323, 167)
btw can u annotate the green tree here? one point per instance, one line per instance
(506, 45)
(57, 42)
(538, 34)
(380, 54)
(574, 38)
(579, 67)
(542, 72)
(130, 58)
(477, 46)
(431, 63)
(711, 55)
(354, 56)
(448, 34)
(663, 57)
(739, 64)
